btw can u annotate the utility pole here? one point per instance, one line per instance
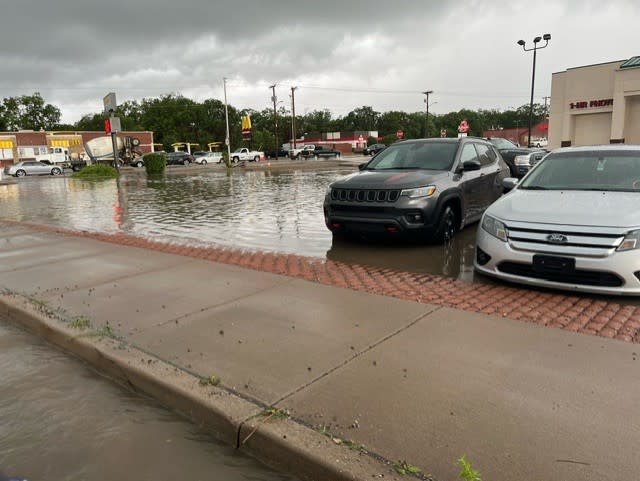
(293, 115)
(226, 116)
(275, 117)
(546, 99)
(426, 119)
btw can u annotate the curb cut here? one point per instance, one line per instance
(285, 445)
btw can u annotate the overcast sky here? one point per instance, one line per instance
(341, 54)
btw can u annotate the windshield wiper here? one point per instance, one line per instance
(534, 187)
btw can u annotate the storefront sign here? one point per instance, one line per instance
(591, 104)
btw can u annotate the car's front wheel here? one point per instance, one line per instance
(204, 162)
(20, 173)
(185, 162)
(447, 226)
(56, 171)
(139, 164)
(256, 158)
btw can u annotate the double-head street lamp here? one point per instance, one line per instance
(546, 37)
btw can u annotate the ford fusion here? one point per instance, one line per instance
(429, 188)
(572, 223)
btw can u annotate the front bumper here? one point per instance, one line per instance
(595, 275)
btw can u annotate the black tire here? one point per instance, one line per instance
(139, 163)
(256, 158)
(204, 162)
(185, 162)
(337, 156)
(20, 173)
(235, 160)
(447, 226)
(316, 157)
(56, 171)
(135, 141)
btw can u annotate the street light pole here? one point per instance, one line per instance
(226, 116)
(293, 115)
(546, 37)
(426, 119)
(275, 118)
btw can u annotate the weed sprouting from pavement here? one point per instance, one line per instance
(81, 323)
(210, 381)
(277, 413)
(402, 467)
(467, 473)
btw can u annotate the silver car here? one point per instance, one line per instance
(572, 223)
(31, 167)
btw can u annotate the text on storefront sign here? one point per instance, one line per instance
(591, 103)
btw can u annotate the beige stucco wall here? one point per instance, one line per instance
(595, 124)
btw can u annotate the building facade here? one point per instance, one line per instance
(596, 104)
(26, 144)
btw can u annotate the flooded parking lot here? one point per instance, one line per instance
(269, 210)
(278, 211)
(59, 420)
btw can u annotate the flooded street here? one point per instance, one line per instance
(278, 211)
(59, 420)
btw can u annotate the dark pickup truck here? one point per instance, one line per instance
(320, 151)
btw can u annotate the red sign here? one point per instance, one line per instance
(591, 103)
(399, 134)
(463, 127)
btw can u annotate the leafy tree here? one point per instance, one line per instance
(28, 112)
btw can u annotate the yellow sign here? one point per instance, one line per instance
(6, 144)
(246, 123)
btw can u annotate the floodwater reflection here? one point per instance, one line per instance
(277, 211)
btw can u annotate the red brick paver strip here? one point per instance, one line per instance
(579, 314)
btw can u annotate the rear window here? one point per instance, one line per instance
(589, 170)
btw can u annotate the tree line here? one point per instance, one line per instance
(175, 118)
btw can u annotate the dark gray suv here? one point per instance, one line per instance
(428, 187)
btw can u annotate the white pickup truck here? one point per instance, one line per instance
(245, 154)
(295, 153)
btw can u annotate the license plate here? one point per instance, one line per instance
(553, 264)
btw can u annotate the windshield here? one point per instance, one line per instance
(589, 170)
(415, 155)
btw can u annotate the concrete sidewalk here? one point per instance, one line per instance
(403, 380)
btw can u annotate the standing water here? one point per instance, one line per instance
(59, 420)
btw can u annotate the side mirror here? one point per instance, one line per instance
(509, 183)
(471, 165)
(362, 166)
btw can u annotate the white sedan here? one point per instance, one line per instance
(214, 157)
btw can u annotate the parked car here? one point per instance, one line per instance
(208, 157)
(175, 158)
(541, 142)
(373, 149)
(572, 223)
(509, 150)
(429, 188)
(320, 151)
(137, 161)
(524, 162)
(271, 154)
(32, 167)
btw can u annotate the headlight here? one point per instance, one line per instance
(495, 227)
(630, 242)
(521, 160)
(427, 191)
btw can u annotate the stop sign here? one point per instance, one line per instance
(399, 134)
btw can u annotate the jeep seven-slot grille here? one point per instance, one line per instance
(365, 195)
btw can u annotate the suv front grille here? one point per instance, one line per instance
(365, 195)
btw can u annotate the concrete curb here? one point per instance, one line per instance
(284, 444)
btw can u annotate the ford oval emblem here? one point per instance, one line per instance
(557, 238)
